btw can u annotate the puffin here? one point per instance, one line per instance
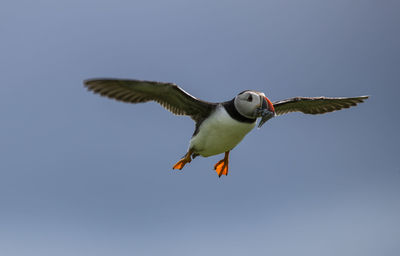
(219, 127)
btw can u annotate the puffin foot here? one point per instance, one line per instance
(181, 163)
(222, 166)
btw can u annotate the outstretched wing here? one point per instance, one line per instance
(315, 105)
(169, 95)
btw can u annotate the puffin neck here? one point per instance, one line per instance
(232, 111)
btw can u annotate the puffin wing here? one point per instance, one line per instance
(315, 105)
(168, 95)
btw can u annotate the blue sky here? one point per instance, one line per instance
(85, 175)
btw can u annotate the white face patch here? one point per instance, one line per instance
(247, 103)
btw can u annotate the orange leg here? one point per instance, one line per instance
(222, 166)
(186, 159)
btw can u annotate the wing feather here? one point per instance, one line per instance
(168, 95)
(315, 105)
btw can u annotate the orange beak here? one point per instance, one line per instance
(267, 111)
(270, 105)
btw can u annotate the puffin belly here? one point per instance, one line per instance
(219, 133)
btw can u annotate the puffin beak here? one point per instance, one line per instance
(266, 111)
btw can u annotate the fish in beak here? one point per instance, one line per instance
(266, 111)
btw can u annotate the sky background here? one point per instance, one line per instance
(85, 175)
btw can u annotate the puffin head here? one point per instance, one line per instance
(252, 104)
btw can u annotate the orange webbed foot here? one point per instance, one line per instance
(222, 166)
(181, 163)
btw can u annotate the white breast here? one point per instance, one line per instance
(219, 133)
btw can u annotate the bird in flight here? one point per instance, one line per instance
(219, 126)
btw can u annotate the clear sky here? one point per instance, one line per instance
(85, 175)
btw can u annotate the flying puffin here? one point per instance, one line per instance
(219, 126)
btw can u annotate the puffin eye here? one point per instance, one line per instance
(250, 98)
